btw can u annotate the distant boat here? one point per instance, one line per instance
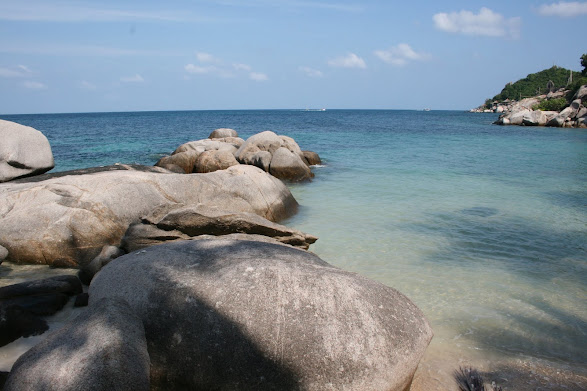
(316, 109)
(426, 109)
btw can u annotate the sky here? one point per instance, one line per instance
(96, 56)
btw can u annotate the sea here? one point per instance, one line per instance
(484, 227)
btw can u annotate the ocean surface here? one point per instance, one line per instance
(483, 227)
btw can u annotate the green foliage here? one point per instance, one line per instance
(584, 64)
(531, 84)
(488, 103)
(551, 105)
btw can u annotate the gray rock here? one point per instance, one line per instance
(534, 118)
(210, 161)
(104, 348)
(67, 284)
(262, 159)
(517, 117)
(201, 220)
(289, 166)
(184, 160)
(226, 144)
(140, 235)
(242, 315)
(107, 254)
(581, 93)
(264, 141)
(24, 151)
(16, 322)
(222, 133)
(575, 105)
(88, 212)
(3, 253)
(311, 158)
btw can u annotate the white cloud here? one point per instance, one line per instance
(349, 61)
(257, 76)
(132, 79)
(486, 22)
(311, 72)
(207, 58)
(20, 71)
(86, 85)
(564, 9)
(34, 85)
(241, 67)
(400, 55)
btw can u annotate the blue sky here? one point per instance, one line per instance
(87, 56)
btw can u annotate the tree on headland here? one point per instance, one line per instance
(584, 64)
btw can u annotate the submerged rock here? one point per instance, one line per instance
(66, 220)
(242, 315)
(104, 348)
(24, 151)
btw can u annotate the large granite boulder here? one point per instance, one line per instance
(246, 315)
(286, 158)
(66, 220)
(287, 165)
(104, 348)
(210, 161)
(186, 222)
(186, 155)
(185, 160)
(222, 133)
(24, 151)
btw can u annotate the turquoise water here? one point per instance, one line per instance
(483, 227)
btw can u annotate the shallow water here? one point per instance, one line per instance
(483, 227)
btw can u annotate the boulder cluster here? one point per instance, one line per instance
(523, 112)
(280, 156)
(192, 282)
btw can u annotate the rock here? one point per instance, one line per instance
(534, 118)
(222, 133)
(242, 315)
(201, 220)
(67, 284)
(81, 300)
(517, 117)
(264, 141)
(41, 305)
(107, 254)
(311, 158)
(103, 348)
(581, 113)
(581, 93)
(184, 160)
(230, 144)
(139, 236)
(289, 166)
(16, 322)
(575, 105)
(262, 159)
(291, 145)
(210, 161)
(3, 253)
(24, 151)
(88, 212)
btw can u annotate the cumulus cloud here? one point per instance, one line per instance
(207, 64)
(400, 55)
(564, 9)
(132, 79)
(19, 71)
(351, 60)
(241, 67)
(34, 85)
(486, 23)
(207, 58)
(257, 76)
(310, 72)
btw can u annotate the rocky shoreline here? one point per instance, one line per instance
(526, 113)
(193, 283)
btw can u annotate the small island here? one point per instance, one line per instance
(554, 97)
